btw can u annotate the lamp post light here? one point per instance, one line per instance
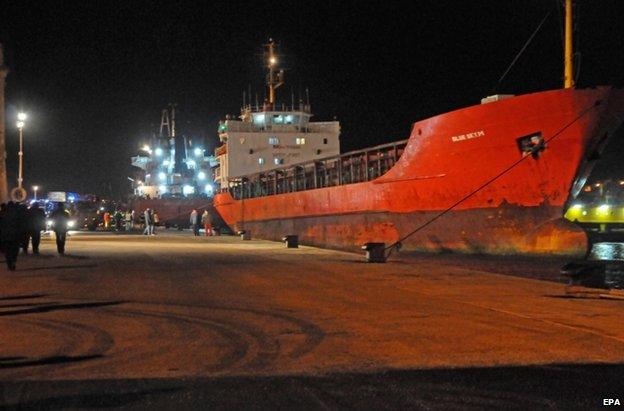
(18, 193)
(35, 188)
(21, 118)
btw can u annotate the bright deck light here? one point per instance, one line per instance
(159, 151)
(162, 176)
(198, 151)
(201, 175)
(604, 208)
(21, 116)
(186, 190)
(208, 188)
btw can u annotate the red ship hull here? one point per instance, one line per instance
(519, 208)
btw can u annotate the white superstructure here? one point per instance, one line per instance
(267, 136)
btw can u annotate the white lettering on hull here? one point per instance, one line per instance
(468, 136)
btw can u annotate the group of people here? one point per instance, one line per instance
(151, 220)
(20, 226)
(204, 220)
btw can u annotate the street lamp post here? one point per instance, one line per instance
(21, 118)
(35, 188)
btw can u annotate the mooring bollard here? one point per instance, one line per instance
(375, 252)
(292, 241)
(245, 234)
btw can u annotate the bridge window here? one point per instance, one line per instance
(273, 141)
(300, 141)
(278, 161)
(258, 119)
(261, 161)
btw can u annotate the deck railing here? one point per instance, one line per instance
(349, 168)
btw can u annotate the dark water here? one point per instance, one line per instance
(611, 255)
(608, 252)
(607, 259)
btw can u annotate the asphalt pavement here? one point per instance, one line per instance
(176, 321)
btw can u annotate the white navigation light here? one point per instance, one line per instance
(21, 116)
(199, 151)
(201, 175)
(186, 190)
(162, 176)
(272, 60)
(159, 151)
(162, 189)
(208, 188)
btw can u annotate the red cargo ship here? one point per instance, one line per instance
(491, 178)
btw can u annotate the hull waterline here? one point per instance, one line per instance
(513, 202)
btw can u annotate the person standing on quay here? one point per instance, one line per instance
(60, 216)
(107, 218)
(25, 226)
(206, 220)
(11, 234)
(36, 224)
(194, 220)
(149, 222)
(155, 220)
(128, 220)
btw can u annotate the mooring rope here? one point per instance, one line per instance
(397, 244)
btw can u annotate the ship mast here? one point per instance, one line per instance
(275, 78)
(568, 70)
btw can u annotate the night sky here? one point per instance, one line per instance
(94, 76)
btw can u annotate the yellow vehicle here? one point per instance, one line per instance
(597, 216)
